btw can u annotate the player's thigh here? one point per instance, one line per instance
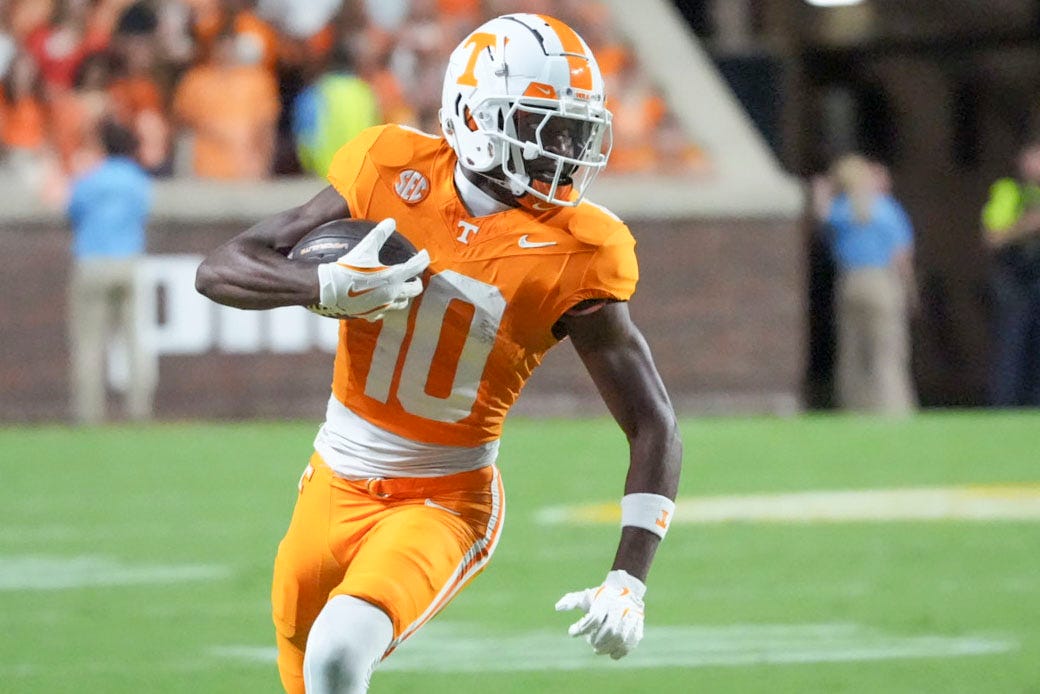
(304, 569)
(413, 561)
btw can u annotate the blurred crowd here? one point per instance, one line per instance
(233, 89)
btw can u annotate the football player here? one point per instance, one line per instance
(401, 504)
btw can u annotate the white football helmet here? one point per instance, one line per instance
(523, 96)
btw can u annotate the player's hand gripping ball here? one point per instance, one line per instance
(364, 269)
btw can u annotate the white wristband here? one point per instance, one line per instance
(651, 512)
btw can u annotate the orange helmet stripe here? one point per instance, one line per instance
(581, 76)
(540, 90)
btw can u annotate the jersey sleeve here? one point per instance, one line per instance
(352, 172)
(609, 271)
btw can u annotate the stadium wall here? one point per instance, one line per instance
(721, 300)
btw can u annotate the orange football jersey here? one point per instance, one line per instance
(447, 370)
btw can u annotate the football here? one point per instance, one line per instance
(331, 240)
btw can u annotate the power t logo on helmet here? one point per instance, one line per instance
(523, 105)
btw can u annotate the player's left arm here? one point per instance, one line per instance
(619, 361)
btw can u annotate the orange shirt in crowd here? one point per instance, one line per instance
(469, 10)
(74, 116)
(23, 123)
(209, 25)
(638, 112)
(232, 112)
(131, 95)
(137, 101)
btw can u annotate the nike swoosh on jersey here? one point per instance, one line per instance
(433, 504)
(525, 243)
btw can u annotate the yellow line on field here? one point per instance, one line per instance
(1008, 502)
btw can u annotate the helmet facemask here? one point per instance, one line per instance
(551, 154)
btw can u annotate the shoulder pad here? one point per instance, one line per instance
(597, 226)
(396, 145)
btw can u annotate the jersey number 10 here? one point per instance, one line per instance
(444, 359)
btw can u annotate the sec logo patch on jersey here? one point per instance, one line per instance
(412, 186)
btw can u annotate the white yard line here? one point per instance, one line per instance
(1010, 502)
(25, 573)
(448, 647)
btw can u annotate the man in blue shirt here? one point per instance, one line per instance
(871, 240)
(108, 210)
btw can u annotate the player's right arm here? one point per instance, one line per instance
(251, 270)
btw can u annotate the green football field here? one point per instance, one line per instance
(812, 554)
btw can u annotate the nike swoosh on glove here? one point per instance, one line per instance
(613, 622)
(359, 286)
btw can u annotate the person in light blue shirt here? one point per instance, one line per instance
(871, 240)
(108, 210)
(881, 240)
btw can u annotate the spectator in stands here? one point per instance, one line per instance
(209, 68)
(1011, 220)
(423, 42)
(331, 112)
(26, 16)
(639, 112)
(8, 47)
(387, 15)
(137, 99)
(871, 240)
(23, 117)
(299, 20)
(257, 39)
(61, 45)
(76, 113)
(174, 42)
(108, 210)
(373, 52)
(230, 108)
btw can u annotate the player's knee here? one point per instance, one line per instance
(336, 664)
(344, 646)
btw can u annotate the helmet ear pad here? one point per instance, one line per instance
(468, 132)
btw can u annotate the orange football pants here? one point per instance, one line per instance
(407, 545)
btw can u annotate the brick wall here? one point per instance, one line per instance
(721, 303)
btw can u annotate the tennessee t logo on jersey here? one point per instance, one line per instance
(467, 230)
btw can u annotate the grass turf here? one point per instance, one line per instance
(177, 525)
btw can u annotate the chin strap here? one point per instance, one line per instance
(523, 197)
(536, 204)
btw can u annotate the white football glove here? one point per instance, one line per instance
(359, 286)
(614, 614)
